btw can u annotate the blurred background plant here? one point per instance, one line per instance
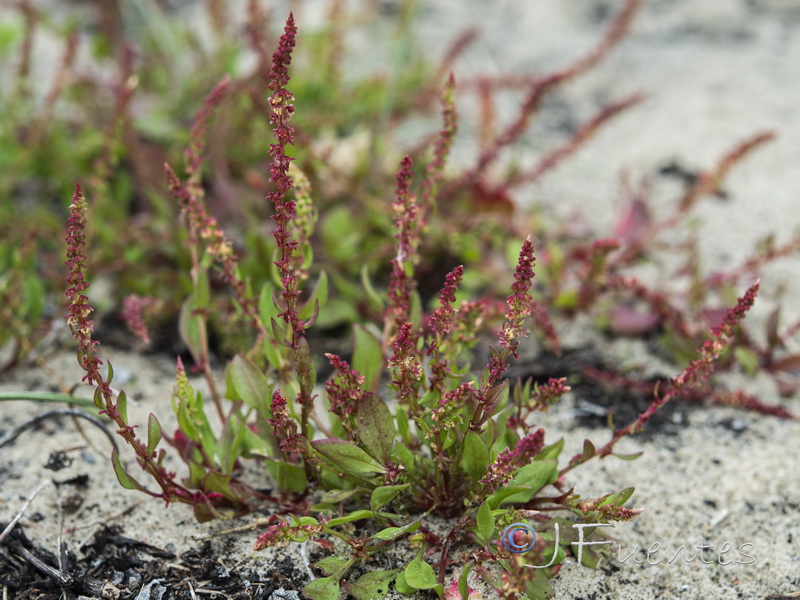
(123, 80)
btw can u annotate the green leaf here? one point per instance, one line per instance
(249, 383)
(463, 579)
(266, 307)
(748, 360)
(125, 480)
(287, 476)
(535, 475)
(191, 329)
(220, 483)
(99, 401)
(371, 586)
(304, 367)
(356, 515)
(153, 433)
(476, 455)
(381, 496)
(401, 417)
(333, 565)
(401, 586)
(375, 426)
(588, 450)
(404, 456)
(367, 355)
(552, 451)
(202, 291)
(633, 456)
(320, 294)
(497, 397)
(347, 457)
(336, 496)
(619, 498)
(33, 296)
(485, 524)
(375, 300)
(420, 575)
(323, 588)
(566, 300)
(391, 533)
(495, 500)
(122, 406)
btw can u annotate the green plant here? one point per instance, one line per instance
(440, 438)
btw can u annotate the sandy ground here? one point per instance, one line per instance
(715, 72)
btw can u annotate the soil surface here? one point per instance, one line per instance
(720, 482)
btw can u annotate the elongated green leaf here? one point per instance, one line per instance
(287, 476)
(619, 498)
(552, 451)
(485, 523)
(375, 426)
(476, 455)
(347, 457)
(367, 355)
(535, 475)
(420, 575)
(404, 456)
(202, 291)
(495, 500)
(153, 433)
(320, 294)
(588, 450)
(190, 328)
(375, 300)
(323, 588)
(381, 496)
(122, 406)
(306, 371)
(99, 401)
(463, 579)
(336, 496)
(391, 533)
(356, 515)
(633, 456)
(401, 417)
(371, 586)
(125, 480)
(249, 383)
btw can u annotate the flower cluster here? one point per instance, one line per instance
(699, 369)
(607, 511)
(519, 303)
(282, 110)
(134, 307)
(285, 428)
(193, 155)
(407, 373)
(546, 394)
(503, 469)
(434, 172)
(283, 532)
(446, 414)
(345, 390)
(440, 323)
(406, 219)
(79, 309)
